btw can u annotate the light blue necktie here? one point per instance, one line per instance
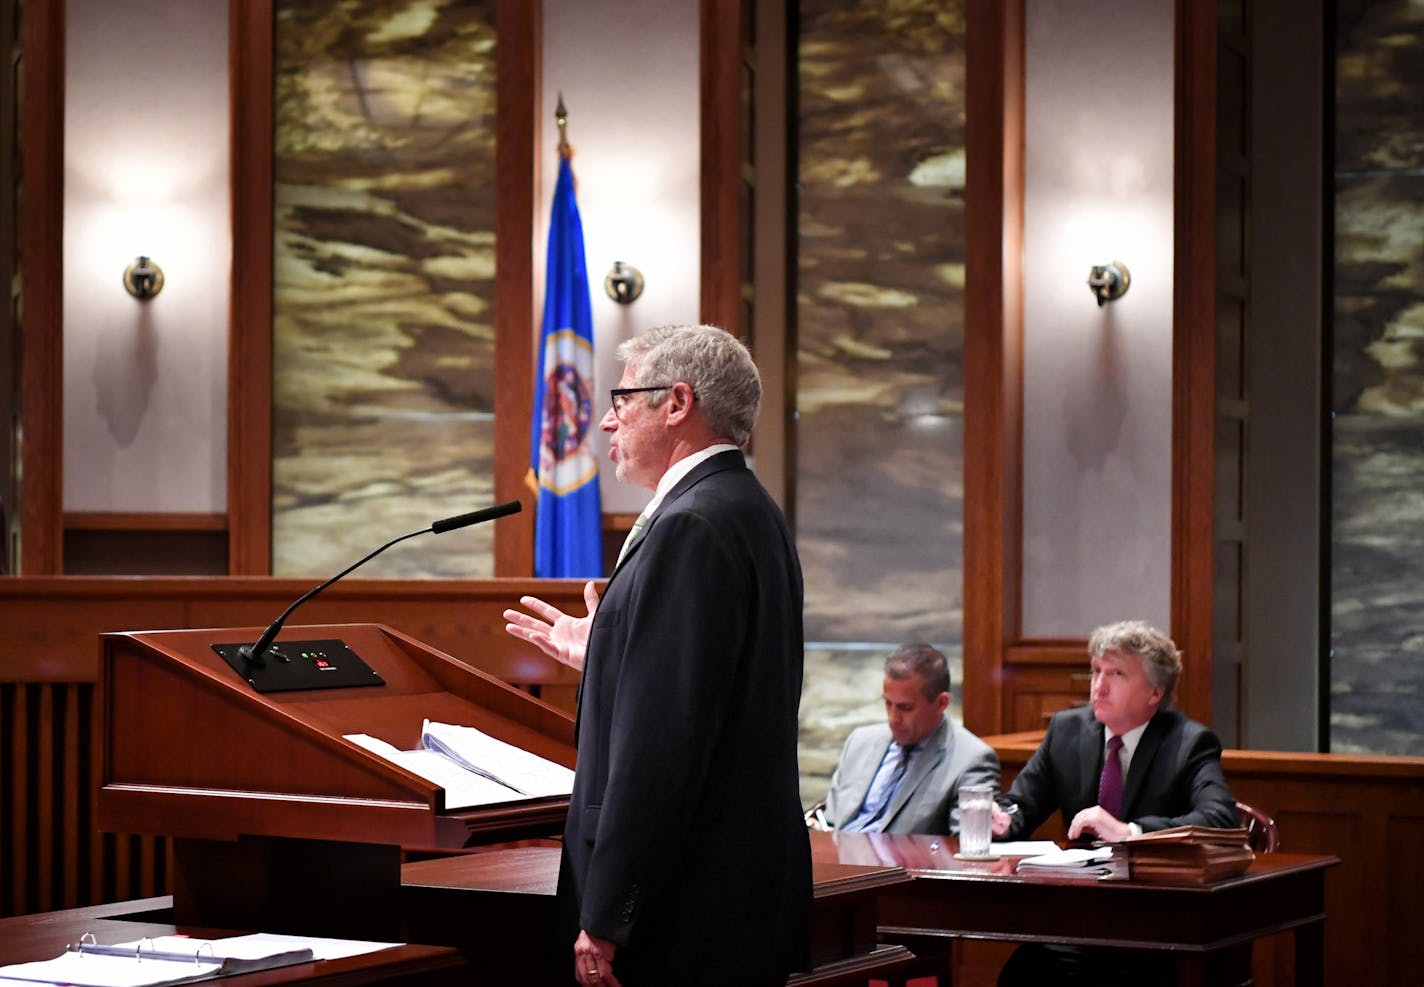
(887, 779)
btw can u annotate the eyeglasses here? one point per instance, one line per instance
(619, 396)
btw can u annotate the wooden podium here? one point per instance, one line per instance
(279, 823)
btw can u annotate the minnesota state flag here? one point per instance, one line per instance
(567, 528)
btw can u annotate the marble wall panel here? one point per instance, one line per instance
(383, 283)
(880, 325)
(880, 398)
(1377, 569)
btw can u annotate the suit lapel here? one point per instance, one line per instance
(1142, 759)
(1090, 760)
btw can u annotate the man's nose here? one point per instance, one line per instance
(609, 421)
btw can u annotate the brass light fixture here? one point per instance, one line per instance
(624, 283)
(143, 278)
(1109, 282)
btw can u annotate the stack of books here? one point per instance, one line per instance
(1187, 854)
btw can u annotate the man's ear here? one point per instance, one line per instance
(680, 402)
(942, 701)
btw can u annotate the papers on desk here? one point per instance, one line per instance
(1074, 860)
(1023, 848)
(473, 767)
(159, 960)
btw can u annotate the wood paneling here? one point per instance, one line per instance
(1368, 811)
(52, 855)
(41, 301)
(721, 180)
(249, 368)
(517, 166)
(1194, 350)
(52, 624)
(993, 362)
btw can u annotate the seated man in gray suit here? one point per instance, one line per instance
(903, 776)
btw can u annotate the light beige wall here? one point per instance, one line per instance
(1097, 381)
(629, 75)
(146, 172)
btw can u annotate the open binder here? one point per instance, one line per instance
(156, 961)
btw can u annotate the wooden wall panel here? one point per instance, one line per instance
(53, 624)
(41, 289)
(993, 353)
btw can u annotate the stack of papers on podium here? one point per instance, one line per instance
(474, 768)
(526, 773)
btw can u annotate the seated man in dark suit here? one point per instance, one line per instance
(1127, 763)
(903, 776)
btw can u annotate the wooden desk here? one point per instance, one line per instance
(950, 899)
(498, 905)
(44, 936)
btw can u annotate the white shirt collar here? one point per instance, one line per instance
(680, 469)
(1129, 739)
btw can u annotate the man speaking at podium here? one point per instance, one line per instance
(685, 857)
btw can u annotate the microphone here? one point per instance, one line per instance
(253, 654)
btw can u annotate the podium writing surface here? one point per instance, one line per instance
(263, 787)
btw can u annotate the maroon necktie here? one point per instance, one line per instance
(1110, 784)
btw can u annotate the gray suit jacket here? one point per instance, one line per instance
(927, 800)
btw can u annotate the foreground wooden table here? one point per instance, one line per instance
(1200, 924)
(44, 936)
(498, 906)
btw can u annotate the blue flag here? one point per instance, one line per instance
(568, 525)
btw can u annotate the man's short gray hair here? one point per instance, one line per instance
(724, 380)
(1159, 656)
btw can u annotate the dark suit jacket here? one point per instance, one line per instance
(685, 842)
(1175, 778)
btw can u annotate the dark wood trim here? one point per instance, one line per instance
(517, 172)
(1194, 351)
(41, 265)
(721, 180)
(993, 361)
(1073, 653)
(142, 521)
(249, 393)
(774, 235)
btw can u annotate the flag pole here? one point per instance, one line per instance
(561, 117)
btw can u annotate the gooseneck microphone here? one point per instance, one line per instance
(253, 654)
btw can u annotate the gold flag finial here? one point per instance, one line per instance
(561, 117)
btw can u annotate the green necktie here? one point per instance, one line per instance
(633, 533)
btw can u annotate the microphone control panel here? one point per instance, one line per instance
(292, 666)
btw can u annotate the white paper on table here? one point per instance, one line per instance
(1073, 858)
(1023, 848)
(322, 948)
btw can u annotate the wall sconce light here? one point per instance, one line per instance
(624, 283)
(1109, 282)
(143, 278)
